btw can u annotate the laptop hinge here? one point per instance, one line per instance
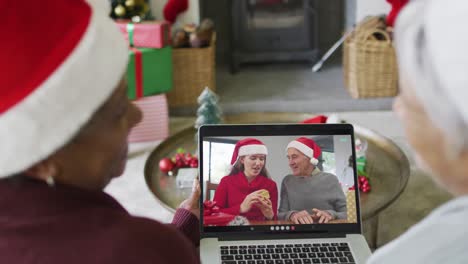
(280, 236)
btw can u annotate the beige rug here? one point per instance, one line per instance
(420, 197)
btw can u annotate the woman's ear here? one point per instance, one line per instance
(43, 170)
(241, 159)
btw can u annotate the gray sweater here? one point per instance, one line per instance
(321, 190)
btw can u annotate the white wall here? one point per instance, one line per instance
(371, 7)
(192, 15)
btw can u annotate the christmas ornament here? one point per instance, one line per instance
(181, 159)
(363, 184)
(136, 19)
(135, 10)
(130, 4)
(119, 11)
(166, 165)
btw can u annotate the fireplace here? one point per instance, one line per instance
(273, 30)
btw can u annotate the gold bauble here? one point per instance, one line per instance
(130, 3)
(119, 11)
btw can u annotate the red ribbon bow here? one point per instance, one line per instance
(210, 208)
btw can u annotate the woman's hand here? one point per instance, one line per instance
(192, 203)
(265, 206)
(250, 200)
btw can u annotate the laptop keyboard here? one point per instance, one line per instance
(287, 254)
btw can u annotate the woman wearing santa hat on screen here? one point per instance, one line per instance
(64, 122)
(309, 195)
(242, 192)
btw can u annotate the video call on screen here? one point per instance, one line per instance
(330, 188)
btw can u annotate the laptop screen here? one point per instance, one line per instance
(278, 178)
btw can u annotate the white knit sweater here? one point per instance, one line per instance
(442, 237)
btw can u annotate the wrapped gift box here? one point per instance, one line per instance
(217, 219)
(152, 34)
(155, 123)
(149, 72)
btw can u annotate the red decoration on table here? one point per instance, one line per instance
(181, 159)
(363, 184)
(213, 217)
(166, 165)
(397, 5)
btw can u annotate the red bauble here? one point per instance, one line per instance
(179, 156)
(166, 165)
(188, 157)
(179, 164)
(194, 163)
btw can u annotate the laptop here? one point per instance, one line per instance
(254, 237)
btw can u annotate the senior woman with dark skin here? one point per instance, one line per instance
(430, 38)
(63, 132)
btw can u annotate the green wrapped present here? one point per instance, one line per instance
(149, 72)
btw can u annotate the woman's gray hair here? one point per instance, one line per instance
(431, 40)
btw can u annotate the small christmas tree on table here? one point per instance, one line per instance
(208, 111)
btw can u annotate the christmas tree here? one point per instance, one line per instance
(208, 111)
(136, 10)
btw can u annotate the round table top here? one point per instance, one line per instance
(387, 166)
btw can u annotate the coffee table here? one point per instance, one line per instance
(387, 166)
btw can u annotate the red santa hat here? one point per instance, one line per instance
(308, 147)
(248, 146)
(59, 66)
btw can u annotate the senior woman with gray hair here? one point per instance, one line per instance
(431, 39)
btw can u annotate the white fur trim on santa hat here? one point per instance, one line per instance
(304, 149)
(54, 113)
(252, 149)
(430, 40)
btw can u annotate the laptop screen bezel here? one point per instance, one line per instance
(253, 130)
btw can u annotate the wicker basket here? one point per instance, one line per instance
(194, 69)
(369, 63)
